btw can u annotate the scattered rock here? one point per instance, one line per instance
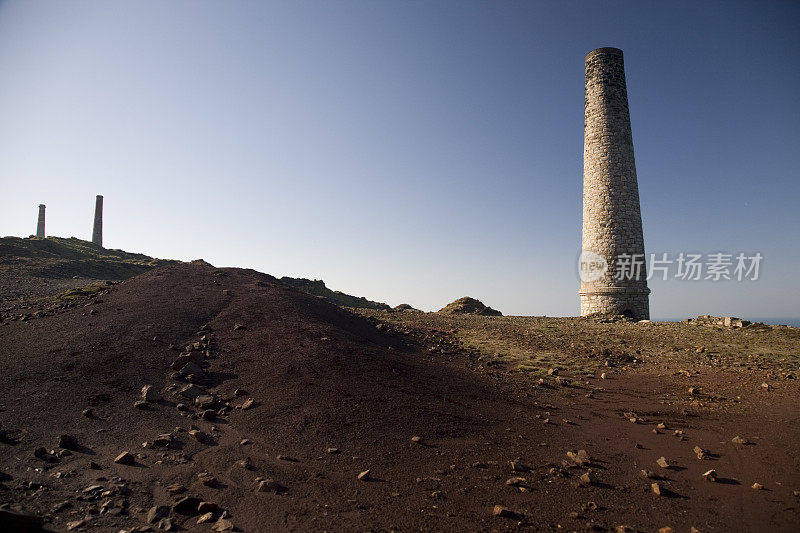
(758, 486)
(237, 327)
(504, 512)
(248, 403)
(175, 488)
(364, 476)
(515, 481)
(198, 435)
(245, 463)
(165, 524)
(62, 506)
(223, 524)
(700, 452)
(416, 439)
(552, 372)
(156, 513)
(656, 488)
(208, 414)
(624, 529)
(580, 458)
(711, 476)
(75, 524)
(149, 394)
(208, 517)
(589, 478)
(662, 462)
(269, 485)
(125, 458)
(207, 507)
(649, 474)
(589, 506)
(207, 479)
(205, 401)
(739, 440)
(163, 440)
(518, 466)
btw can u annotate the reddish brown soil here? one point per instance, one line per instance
(323, 377)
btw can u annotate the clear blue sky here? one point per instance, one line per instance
(405, 151)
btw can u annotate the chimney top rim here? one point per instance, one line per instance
(608, 50)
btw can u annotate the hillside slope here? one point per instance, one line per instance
(318, 288)
(33, 268)
(267, 405)
(321, 378)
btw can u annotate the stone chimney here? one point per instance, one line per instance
(612, 221)
(97, 232)
(40, 225)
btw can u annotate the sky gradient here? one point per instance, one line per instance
(405, 151)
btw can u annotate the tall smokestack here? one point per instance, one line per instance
(40, 225)
(612, 220)
(97, 233)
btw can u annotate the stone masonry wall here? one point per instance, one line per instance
(612, 222)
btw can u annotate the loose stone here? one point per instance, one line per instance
(125, 458)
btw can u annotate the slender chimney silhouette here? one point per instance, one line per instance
(612, 220)
(97, 232)
(40, 225)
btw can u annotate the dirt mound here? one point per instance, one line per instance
(405, 307)
(322, 380)
(468, 306)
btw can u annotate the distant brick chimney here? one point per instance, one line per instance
(97, 232)
(40, 225)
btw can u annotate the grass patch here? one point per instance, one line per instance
(80, 292)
